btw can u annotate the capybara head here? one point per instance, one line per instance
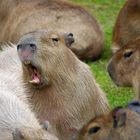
(111, 126)
(123, 65)
(42, 54)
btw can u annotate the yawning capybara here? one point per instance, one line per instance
(18, 17)
(127, 27)
(120, 124)
(124, 66)
(62, 88)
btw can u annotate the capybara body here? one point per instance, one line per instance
(62, 88)
(124, 66)
(22, 16)
(119, 124)
(127, 27)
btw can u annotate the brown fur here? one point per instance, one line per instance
(67, 92)
(124, 66)
(22, 16)
(124, 125)
(127, 26)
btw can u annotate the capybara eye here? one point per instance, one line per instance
(94, 130)
(18, 46)
(55, 39)
(128, 54)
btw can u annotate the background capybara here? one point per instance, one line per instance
(17, 122)
(62, 88)
(124, 66)
(127, 27)
(120, 124)
(22, 16)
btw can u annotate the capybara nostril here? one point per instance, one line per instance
(70, 34)
(33, 46)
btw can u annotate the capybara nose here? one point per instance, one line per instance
(31, 47)
(134, 103)
(26, 51)
(111, 70)
(134, 106)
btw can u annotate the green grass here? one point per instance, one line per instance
(106, 12)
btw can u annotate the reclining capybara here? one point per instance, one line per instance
(119, 124)
(124, 66)
(127, 27)
(61, 88)
(17, 122)
(22, 16)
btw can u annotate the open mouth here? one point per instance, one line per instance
(35, 74)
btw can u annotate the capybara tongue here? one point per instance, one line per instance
(35, 77)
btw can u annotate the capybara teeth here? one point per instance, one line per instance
(34, 81)
(27, 62)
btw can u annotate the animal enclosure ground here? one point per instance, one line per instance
(106, 12)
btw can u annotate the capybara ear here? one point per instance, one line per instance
(69, 39)
(55, 38)
(46, 125)
(115, 48)
(17, 135)
(119, 117)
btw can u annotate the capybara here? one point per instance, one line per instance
(18, 17)
(124, 66)
(61, 88)
(127, 27)
(119, 124)
(17, 122)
